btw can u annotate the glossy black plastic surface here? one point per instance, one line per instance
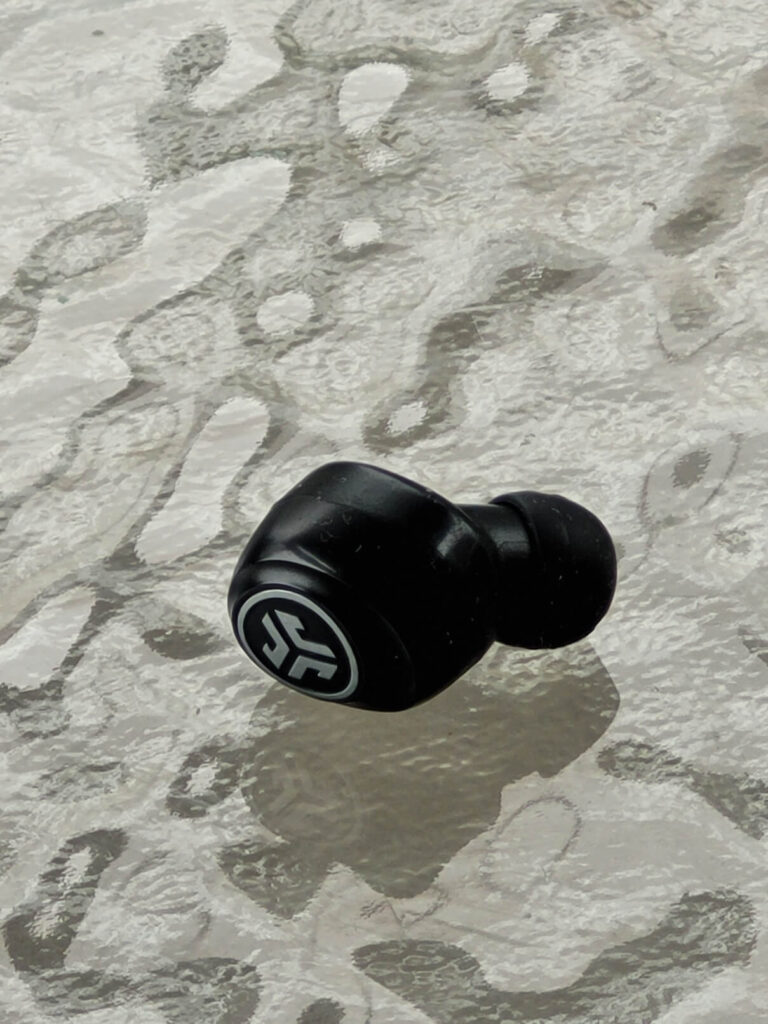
(365, 588)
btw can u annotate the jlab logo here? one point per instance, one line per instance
(305, 654)
(296, 641)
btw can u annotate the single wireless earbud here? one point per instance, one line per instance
(365, 588)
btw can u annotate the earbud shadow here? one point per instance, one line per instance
(395, 796)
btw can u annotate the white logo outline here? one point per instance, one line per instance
(292, 626)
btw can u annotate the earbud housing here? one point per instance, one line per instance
(365, 588)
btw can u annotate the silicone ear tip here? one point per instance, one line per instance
(576, 576)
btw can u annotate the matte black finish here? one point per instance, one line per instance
(365, 588)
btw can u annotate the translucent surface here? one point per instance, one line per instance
(489, 246)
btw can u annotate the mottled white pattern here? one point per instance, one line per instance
(360, 232)
(508, 83)
(540, 27)
(367, 93)
(491, 247)
(283, 313)
(232, 436)
(40, 645)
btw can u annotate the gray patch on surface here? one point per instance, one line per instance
(456, 340)
(18, 322)
(173, 633)
(192, 60)
(80, 780)
(755, 644)
(717, 199)
(323, 1011)
(676, 486)
(39, 933)
(217, 990)
(280, 878)
(691, 467)
(634, 982)
(184, 800)
(65, 994)
(214, 990)
(691, 309)
(740, 798)
(86, 243)
(630, 10)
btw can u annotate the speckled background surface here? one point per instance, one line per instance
(491, 247)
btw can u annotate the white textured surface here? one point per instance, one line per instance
(488, 246)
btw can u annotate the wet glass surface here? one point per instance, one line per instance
(490, 247)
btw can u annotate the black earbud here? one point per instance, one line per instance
(365, 588)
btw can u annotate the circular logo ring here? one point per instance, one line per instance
(289, 649)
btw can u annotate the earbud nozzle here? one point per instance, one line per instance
(570, 589)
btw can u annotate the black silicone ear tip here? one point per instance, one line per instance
(575, 578)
